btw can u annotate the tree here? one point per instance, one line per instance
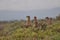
(58, 17)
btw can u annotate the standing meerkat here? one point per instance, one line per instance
(35, 21)
(28, 21)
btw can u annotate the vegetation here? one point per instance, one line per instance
(16, 31)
